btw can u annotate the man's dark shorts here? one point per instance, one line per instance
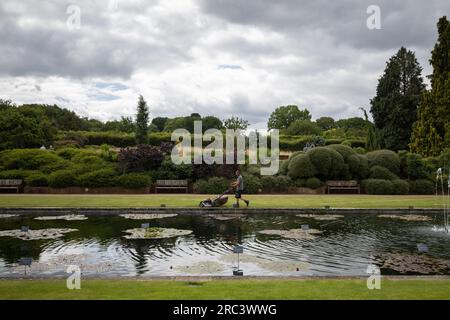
(238, 194)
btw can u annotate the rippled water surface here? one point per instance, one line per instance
(345, 247)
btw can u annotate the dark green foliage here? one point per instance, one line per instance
(96, 179)
(159, 122)
(16, 174)
(276, 183)
(236, 123)
(284, 116)
(328, 163)
(300, 183)
(252, 184)
(363, 167)
(303, 127)
(37, 179)
(385, 158)
(394, 108)
(170, 171)
(300, 166)
(29, 159)
(123, 125)
(132, 180)
(284, 166)
(142, 121)
(24, 128)
(141, 158)
(421, 186)
(400, 186)
(378, 172)
(378, 186)
(326, 123)
(214, 185)
(62, 179)
(414, 167)
(313, 183)
(431, 132)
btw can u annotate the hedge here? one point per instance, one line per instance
(37, 179)
(276, 183)
(379, 172)
(378, 186)
(62, 179)
(29, 159)
(400, 186)
(95, 179)
(132, 180)
(301, 167)
(252, 184)
(421, 186)
(214, 185)
(385, 158)
(313, 183)
(327, 162)
(16, 174)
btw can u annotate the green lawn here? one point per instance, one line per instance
(192, 200)
(413, 288)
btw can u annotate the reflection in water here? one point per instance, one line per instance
(344, 248)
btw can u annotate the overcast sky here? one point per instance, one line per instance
(215, 57)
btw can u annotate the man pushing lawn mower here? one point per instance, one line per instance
(239, 188)
(221, 199)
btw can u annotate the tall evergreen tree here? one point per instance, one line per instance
(431, 132)
(394, 108)
(142, 121)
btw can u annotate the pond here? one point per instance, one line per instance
(190, 245)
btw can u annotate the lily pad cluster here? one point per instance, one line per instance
(304, 234)
(40, 234)
(147, 216)
(155, 233)
(409, 217)
(321, 217)
(69, 217)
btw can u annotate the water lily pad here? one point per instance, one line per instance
(409, 217)
(69, 217)
(52, 233)
(309, 234)
(321, 217)
(6, 216)
(147, 216)
(202, 267)
(155, 233)
(225, 217)
(413, 263)
(270, 265)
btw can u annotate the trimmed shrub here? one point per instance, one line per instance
(400, 186)
(156, 138)
(360, 150)
(214, 185)
(252, 184)
(99, 178)
(421, 186)
(284, 166)
(171, 171)
(414, 167)
(276, 183)
(327, 162)
(344, 150)
(67, 153)
(313, 183)
(31, 159)
(363, 168)
(385, 158)
(378, 186)
(132, 180)
(301, 167)
(293, 143)
(378, 172)
(62, 179)
(16, 174)
(37, 179)
(300, 183)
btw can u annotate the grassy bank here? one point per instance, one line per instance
(413, 288)
(192, 200)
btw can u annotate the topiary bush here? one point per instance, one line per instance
(132, 180)
(214, 185)
(385, 158)
(313, 183)
(36, 179)
(28, 159)
(378, 186)
(300, 183)
(96, 179)
(276, 183)
(62, 179)
(252, 184)
(16, 174)
(414, 167)
(301, 166)
(378, 172)
(284, 165)
(422, 186)
(363, 170)
(400, 186)
(327, 162)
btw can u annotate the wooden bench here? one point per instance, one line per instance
(343, 185)
(171, 184)
(11, 184)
